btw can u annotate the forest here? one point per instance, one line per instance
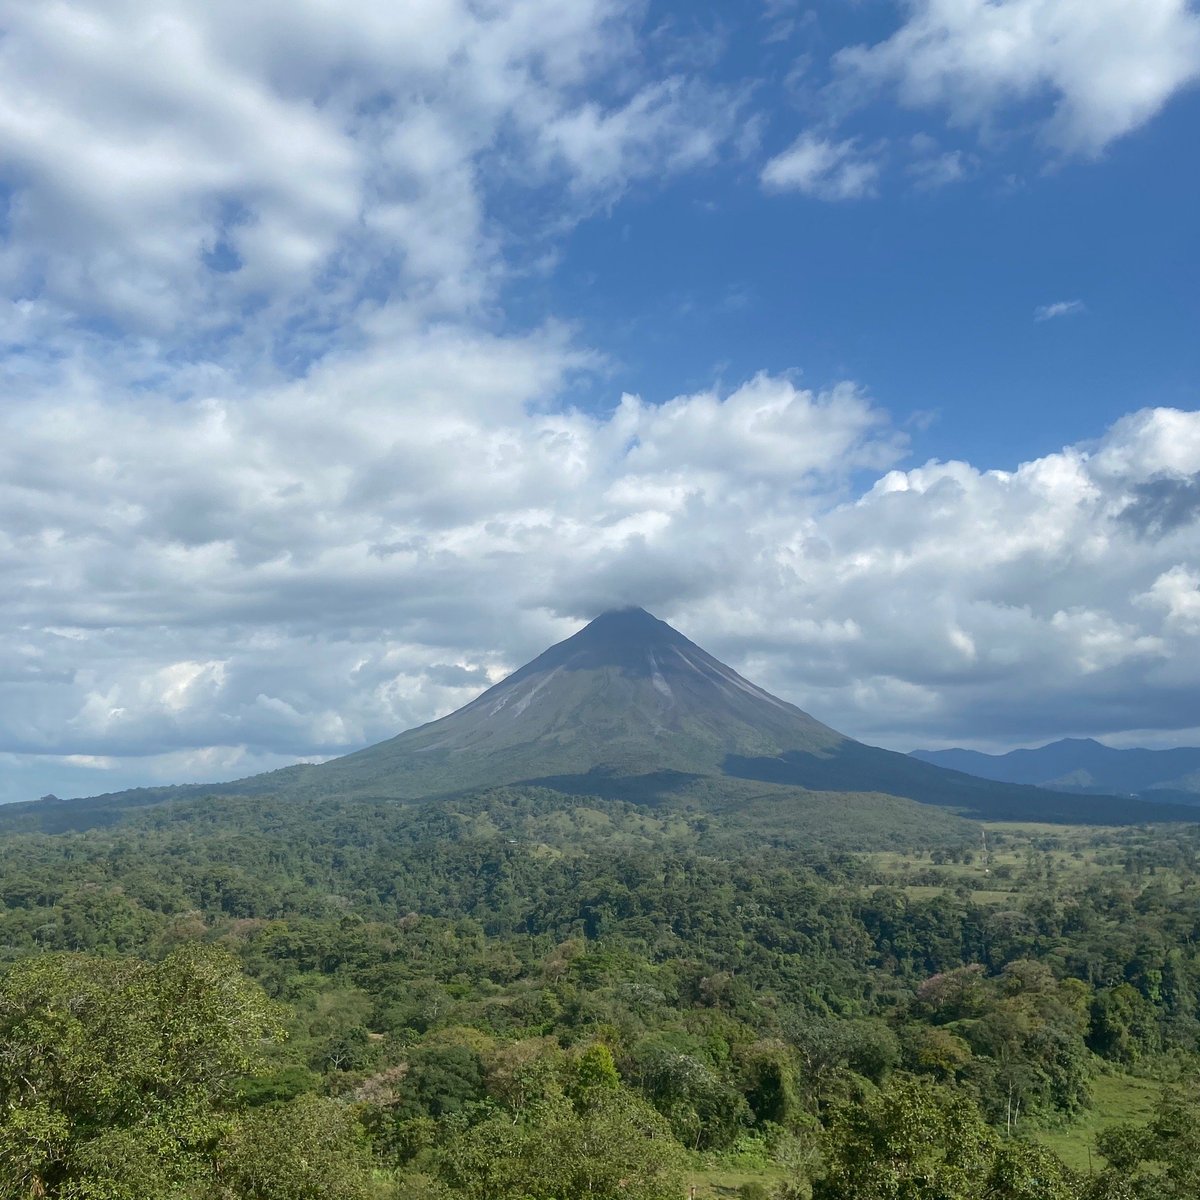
(520, 996)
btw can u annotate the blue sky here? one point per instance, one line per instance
(929, 289)
(350, 356)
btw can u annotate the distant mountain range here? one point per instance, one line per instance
(630, 709)
(1085, 766)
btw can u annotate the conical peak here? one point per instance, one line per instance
(626, 693)
(625, 612)
(628, 624)
(626, 638)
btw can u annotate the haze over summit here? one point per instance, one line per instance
(350, 359)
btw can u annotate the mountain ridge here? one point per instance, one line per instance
(1083, 766)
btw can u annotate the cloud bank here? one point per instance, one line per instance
(346, 556)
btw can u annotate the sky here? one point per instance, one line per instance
(352, 354)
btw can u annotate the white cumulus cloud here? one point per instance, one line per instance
(230, 172)
(1092, 69)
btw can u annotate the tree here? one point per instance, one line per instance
(113, 1060)
(914, 1141)
(594, 1068)
(118, 1078)
(309, 1149)
(770, 1084)
(1027, 1171)
(1123, 1027)
(1160, 1161)
(612, 1146)
(704, 1110)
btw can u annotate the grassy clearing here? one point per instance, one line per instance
(721, 1183)
(1012, 858)
(1044, 829)
(1116, 1099)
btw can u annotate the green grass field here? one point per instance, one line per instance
(721, 1183)
(1017, 856)
(1116, 1099)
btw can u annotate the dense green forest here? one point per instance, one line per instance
(512, 995)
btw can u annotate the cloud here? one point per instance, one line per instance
(1060, 308)
(672, 126)
(220, 585)
(1160, 506)
(1090, 70)
(783, 18)
(166, 566)
(933, 168)
(226, 174)
(1009, 604)
(821, 168)
(1177, 593)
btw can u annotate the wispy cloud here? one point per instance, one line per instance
(1060, 308)
(822, 168)
(933, 168)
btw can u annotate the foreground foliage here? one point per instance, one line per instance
(118, 1081)
(509, 996)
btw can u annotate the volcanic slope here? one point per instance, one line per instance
(626, 696)
(628, 708)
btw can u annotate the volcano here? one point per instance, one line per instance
(630, 708)
(626, 696)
